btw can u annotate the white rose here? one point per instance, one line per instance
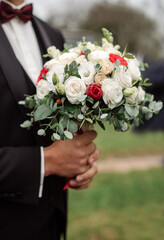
(138, 92)
(87, 72)
(123, 77)
(133, 67)
(68, 58)
(112, 92)
(81, 59)
(54, 52)
(97, 56)
(57, 69)
(74, 88)
(43, 88)
(141, 95)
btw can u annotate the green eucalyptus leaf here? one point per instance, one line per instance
(42, 112)
(72, 126)
(41, 132)
(54, 125)
(56, 136)
(129, 56)
(96, 105)
(68, 134)
(26, 124)
(80, 116)
(104, 115)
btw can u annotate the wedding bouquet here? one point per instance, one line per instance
(89, 84)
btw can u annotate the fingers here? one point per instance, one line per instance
(83, 181)
(90, 149)
(93, 157)
(85, 138)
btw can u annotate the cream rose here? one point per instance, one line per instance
(97, 56)
(74, 88)
(123, 77)
(106, 66)
(43, 88)
(99, 78)
(112, 92)
(133, 67)
(87, 72)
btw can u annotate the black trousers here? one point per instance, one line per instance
(25, 222)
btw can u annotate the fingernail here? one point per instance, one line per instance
(72, 183)
(91, 160)
(80, 178)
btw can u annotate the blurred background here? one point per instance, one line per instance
(126, 199)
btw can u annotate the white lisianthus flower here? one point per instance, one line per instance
(97, 56)
(141, 95)
(87, 72)
(68, 58)
(137, 92)
(133, 67)
(50, 63)
(123, 77)
(132, 99)
(74, 88)
(112, 92)
(58, 70)
(43, 88)
(53, 52)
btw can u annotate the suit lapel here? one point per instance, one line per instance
(11, 68)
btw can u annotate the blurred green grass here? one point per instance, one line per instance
(119, 207)
(114, 143)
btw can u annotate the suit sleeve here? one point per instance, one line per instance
(156, 74)
(20, 174)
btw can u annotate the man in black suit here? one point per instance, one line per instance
(32, 169)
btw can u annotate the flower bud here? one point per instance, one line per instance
(60, 88)
(55, 79)
(128, 92)
(51, 50)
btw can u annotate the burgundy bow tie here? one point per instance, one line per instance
(7, 12)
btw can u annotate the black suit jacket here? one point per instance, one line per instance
(22, 214)
(156, 74)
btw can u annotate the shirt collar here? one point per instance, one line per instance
(17, 7)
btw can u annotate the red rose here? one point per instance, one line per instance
(42, 74)
(94, 90)
(82, 53)
(113, 58)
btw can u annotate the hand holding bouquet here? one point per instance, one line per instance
(89, 84)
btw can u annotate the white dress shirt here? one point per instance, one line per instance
(24, 43)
